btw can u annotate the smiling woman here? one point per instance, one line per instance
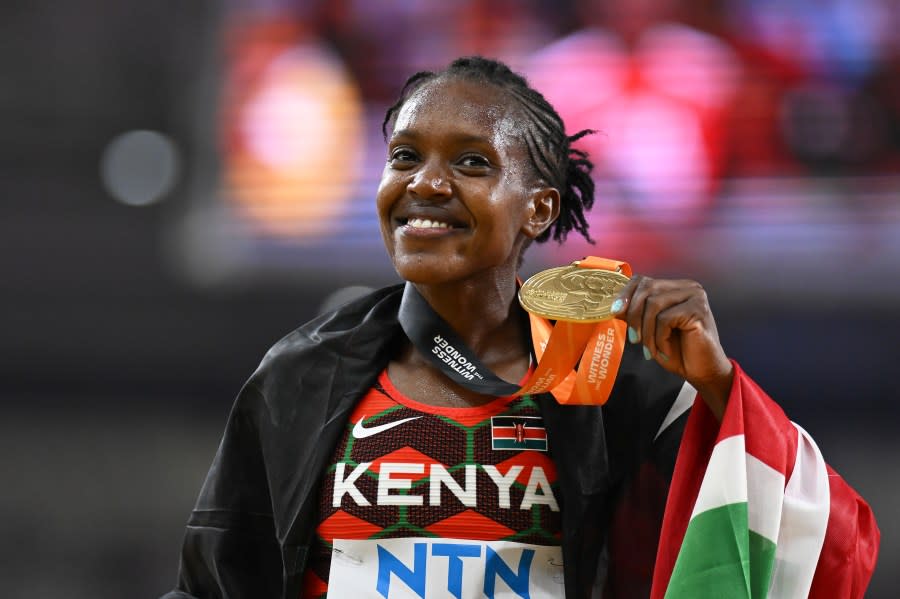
(470, 175)
(381, 451)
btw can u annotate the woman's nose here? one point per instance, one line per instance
(430, 181)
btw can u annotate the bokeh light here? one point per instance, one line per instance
(293, 147)
(139, 167)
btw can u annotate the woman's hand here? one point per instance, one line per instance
(673, 321)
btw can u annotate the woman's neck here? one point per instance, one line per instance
(483, 314)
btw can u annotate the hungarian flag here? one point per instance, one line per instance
(766, 517)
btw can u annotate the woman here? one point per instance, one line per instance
(355, 464)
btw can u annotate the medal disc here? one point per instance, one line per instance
(571, 293)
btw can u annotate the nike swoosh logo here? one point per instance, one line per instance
(361, 432)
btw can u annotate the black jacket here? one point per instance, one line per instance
(250, 532)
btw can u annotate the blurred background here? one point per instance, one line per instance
(183, 183)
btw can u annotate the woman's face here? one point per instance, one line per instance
(458, 199)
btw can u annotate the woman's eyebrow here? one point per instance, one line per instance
(469, 138)
(463, 138)
(404, 133)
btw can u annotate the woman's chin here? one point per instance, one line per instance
(424, 276)
(425, 270)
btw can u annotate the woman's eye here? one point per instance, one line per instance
(474, 160)
(402, 155)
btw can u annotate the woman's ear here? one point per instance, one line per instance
(543, 209)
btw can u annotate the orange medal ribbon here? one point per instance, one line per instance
(596, 347)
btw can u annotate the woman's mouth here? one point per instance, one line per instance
(424, 223)
(429, 225)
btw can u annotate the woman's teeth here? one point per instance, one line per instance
(424, 223)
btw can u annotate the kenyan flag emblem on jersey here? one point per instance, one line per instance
(518, 433)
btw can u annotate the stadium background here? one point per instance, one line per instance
(184, 182)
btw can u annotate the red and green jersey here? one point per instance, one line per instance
(421, 500)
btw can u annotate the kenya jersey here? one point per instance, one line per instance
(424, 501)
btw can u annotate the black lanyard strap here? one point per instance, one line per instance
(442, 346)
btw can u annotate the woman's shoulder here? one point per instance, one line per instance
(353, 329)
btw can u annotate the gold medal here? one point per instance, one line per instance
(572, 293)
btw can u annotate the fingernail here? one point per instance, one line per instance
(633, 336)
(647, 355)
(663, 356)
(617, 306)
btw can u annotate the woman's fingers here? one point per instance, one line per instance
(674, 323)
(687, 316)
(644, 299)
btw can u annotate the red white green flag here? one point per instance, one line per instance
(766, 517)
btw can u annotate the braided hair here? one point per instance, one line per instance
(550, 150)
